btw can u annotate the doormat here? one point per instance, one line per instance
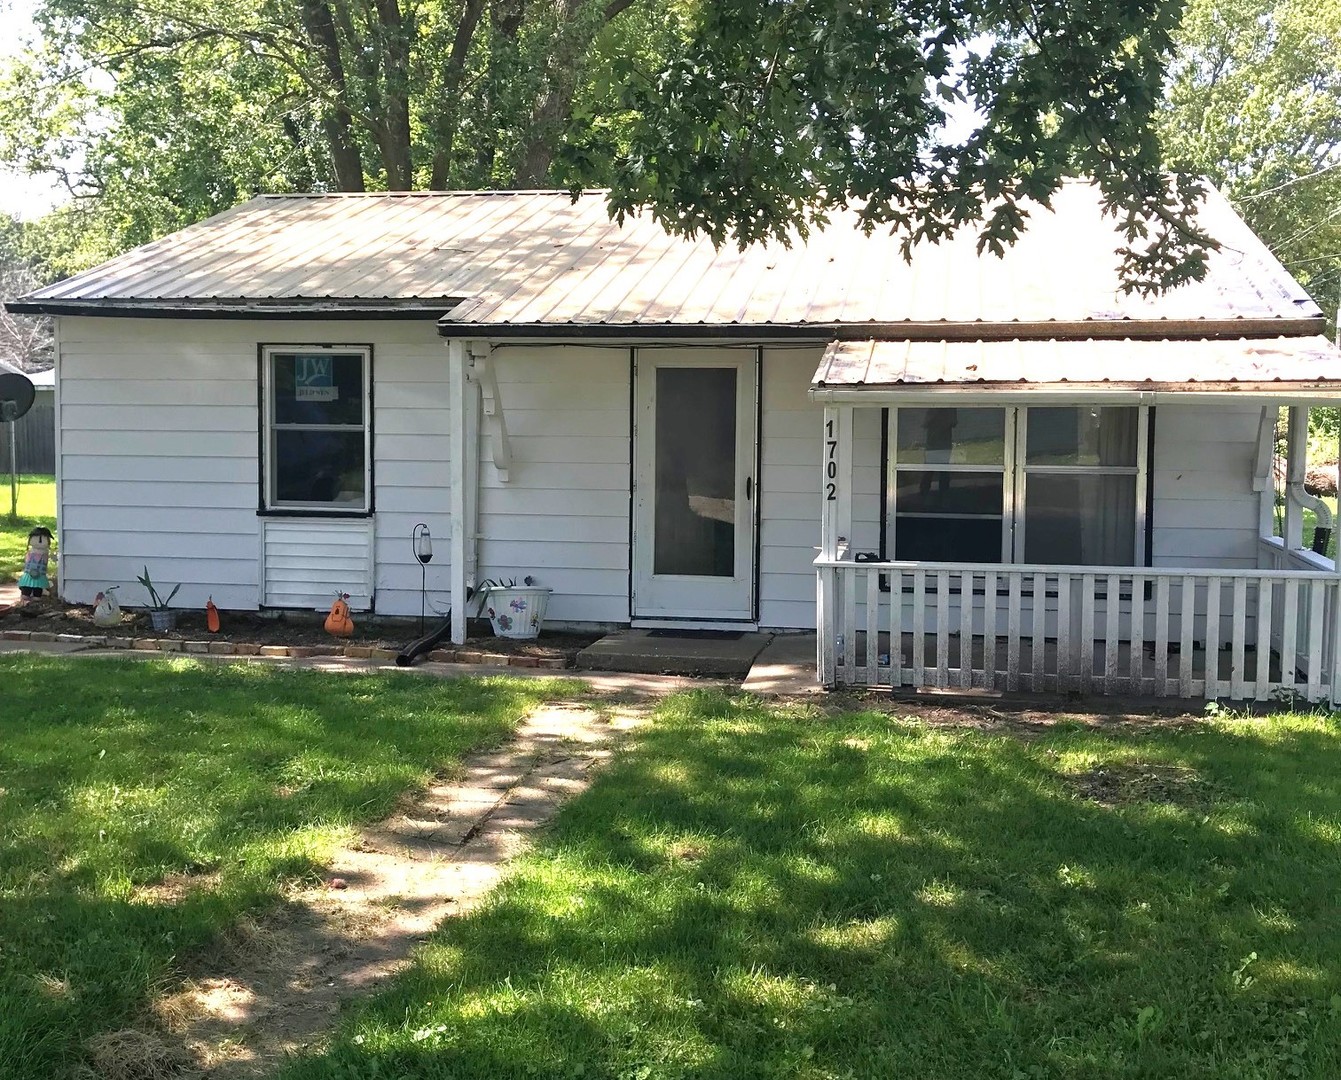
(699, 635)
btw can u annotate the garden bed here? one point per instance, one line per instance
(250, 633)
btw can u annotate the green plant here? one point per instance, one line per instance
(488, 585)
(155, 600)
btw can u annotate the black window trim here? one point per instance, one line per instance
(264, 349)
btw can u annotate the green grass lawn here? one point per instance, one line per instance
(115, 774)
(758, 891)
(37, 506)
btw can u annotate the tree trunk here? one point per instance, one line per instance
(448, 111)
(395, 34)
(554, 105)
(336, 120)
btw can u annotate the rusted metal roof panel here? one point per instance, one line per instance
(494, 260)
(1050, 362)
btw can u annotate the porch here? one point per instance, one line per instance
(1087, 595)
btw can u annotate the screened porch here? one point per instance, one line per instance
(1040, 529)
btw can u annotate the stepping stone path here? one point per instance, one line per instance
(278, 983)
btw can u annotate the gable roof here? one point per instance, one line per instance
(519, 262)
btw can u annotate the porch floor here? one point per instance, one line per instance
(661, 653)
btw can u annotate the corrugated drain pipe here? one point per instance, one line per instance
(1322, 531)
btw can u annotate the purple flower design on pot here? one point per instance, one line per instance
(518, 605)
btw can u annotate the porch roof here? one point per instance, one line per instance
(1277, 367)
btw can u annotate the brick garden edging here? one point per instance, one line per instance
(244, 648)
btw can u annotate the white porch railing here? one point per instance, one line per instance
(1274, 555)
(1234, 634)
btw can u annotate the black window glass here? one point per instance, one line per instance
(318, 388)
(943, 436)
(1085, 436)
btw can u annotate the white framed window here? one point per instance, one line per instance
(317, 428)
(1052, 485)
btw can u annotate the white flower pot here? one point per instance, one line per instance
(517, 611)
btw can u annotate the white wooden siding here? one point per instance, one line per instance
(159, 458)
(158, 466)
(411, 466)
(563, 514)
(1204, 510)
(789, 487)
(305, 562)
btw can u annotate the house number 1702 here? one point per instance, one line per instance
(830, 463)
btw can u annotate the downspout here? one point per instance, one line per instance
(1322, 532)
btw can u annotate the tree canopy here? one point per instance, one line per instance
(1254, 104)
(746, 120)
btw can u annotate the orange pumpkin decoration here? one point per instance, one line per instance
(211, 616)
(338, 622)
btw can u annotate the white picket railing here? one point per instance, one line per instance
(1273, 555)
(1233, 634)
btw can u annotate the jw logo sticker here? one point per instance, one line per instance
(314, 379)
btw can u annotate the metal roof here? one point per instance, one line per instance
(500, 261)
(1127, 363)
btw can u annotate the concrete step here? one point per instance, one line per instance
(691, 654)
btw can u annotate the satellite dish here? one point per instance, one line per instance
(17, 394)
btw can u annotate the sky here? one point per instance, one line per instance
(26, 196)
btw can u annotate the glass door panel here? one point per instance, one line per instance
(695, 522)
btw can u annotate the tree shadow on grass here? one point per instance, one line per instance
(115, 775)
(756, 893)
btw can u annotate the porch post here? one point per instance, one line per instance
(1296, 467)
(835, 530)
(1335, 695)
(459, 473)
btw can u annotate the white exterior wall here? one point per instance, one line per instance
(158, 454)
(158, 465)
(563, 514)
(790, 484)
(1204, 509)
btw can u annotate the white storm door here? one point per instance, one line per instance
(694, 485)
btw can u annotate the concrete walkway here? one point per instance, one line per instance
(785, 667)
(9, 597)
(277, 986)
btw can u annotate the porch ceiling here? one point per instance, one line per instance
(1279, 367)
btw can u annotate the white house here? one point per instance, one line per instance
(263, 405)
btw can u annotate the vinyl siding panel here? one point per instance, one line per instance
(563, 513)
(307, 562)
(412, 466)
(159, 464)
(158, 459)
(789, 487)
(1204, 511)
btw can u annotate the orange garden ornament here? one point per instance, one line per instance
(211, 616)
(338, 622)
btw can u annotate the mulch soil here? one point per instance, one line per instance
(285, 629)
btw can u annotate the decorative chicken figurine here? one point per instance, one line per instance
(338, 622)
(106, 608)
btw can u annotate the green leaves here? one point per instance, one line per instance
(1254, 104)
(775, 113)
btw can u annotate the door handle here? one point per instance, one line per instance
(749, 488)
